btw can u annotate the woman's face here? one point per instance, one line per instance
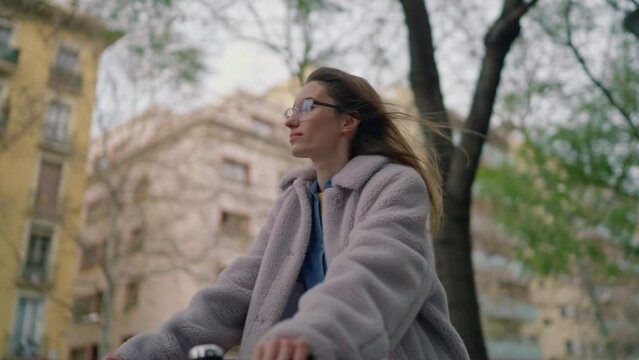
(317, 133)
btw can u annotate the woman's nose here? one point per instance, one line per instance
(292, 122)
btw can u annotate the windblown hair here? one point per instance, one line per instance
(378, 133)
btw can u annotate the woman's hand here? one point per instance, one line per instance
(281, 349)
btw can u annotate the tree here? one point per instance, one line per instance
(123, 193)
(571, 203)
(453, 245)
(459, 163)
(301, 33)
(571, 206)
(152, 61)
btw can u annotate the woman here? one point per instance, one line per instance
(343, 268)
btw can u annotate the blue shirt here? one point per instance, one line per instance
(314, 266)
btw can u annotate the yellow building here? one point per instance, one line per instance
(48, 67)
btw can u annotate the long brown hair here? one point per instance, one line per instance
(378, 133)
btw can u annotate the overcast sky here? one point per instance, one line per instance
(235, 64)
(458, 28)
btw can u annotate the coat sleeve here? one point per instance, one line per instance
(215, 314)
(376, 286)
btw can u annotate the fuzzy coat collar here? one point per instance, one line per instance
(352, 176)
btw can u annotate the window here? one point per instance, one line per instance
(88, 308)
(531, 338)
(235, 171)
(66, 59)
(93, 254)
(6, 30)
(26, 331)
(56, 121)
(78, 353)
(235, 224)
(93, 352)
(84, 353)
(48, 186)
(65, 72)
(132, 294)
(512, 288)
(37, 259)
(262, 128)
(137, 239)
(572, 347)
(568, 311)
(4, 109)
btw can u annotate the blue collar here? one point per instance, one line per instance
(315, 190)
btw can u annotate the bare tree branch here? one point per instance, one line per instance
(582, 62)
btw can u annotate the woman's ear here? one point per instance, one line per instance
(350, 123)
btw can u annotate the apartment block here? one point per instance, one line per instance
(172, 200)
(48, 67)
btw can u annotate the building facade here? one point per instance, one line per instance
(503, 286)
(558, 316)
(48, 67)
(192, 191)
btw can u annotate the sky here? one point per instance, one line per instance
(239, 65)
(233, 64)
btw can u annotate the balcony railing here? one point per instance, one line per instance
(65, 79)
(507, 309)
(8, 58)
(55, 141)
(24, 349)
(4, 120)
(46, 208)
(34, 276)
(513, 350)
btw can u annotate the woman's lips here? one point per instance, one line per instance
(293, 136)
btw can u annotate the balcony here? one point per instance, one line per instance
(24, 349)
(34, 277)
(58, 145)
(47, 207)
(4, 119)
(64, 79)
(8, 58)
(513, 350)
(507, 309)
(55, 138)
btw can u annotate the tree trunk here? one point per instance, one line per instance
(453, 244)
(424, 77)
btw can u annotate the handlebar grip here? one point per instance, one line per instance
(206, 352)
(213, 352)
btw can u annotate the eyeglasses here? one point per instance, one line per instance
(305, 107)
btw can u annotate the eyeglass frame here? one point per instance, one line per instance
(295, 110)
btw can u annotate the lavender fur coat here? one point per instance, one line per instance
(381, 298)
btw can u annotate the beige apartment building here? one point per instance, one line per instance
(528, 316)
(567, 326)
(503, 286)
(179, 197)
